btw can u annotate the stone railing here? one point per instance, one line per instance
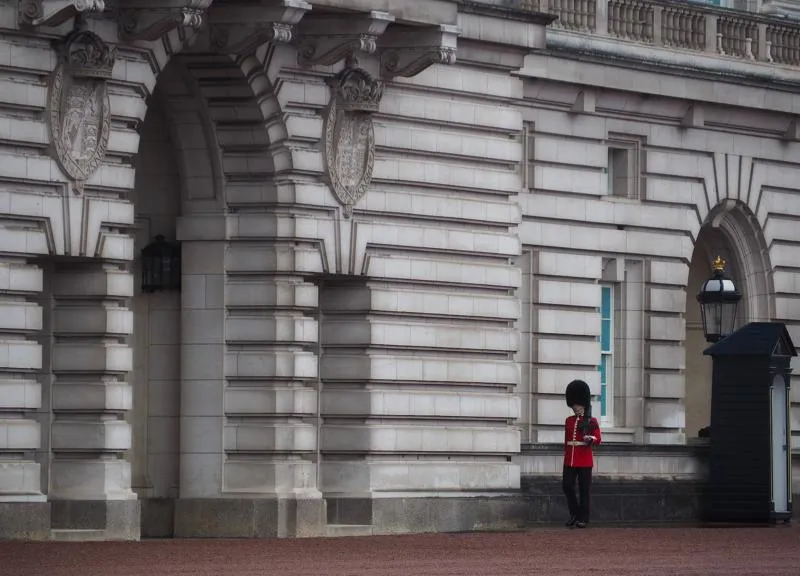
(681, 25)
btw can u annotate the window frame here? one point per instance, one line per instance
(634, 148)
(606, 366)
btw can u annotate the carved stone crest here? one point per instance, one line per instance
(78, 114)
(349, 134)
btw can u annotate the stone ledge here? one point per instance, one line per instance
(506, 11)
(623, 500)
(698, 449)
(674, 61)
(467, 514)
(410, 514)
(619, 500)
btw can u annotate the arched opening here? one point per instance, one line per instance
(731, 232)
(177, 172)
(156, 367)
(210, 140)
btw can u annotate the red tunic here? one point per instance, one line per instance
(576, 453)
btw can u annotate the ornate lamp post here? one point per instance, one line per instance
(719, 301)
(161, 266)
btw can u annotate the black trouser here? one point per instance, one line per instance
(580, 511)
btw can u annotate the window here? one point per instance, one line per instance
(606, 367)
(625, 163)
(529, 154)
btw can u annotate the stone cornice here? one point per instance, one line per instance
(408, 50)
(241, 28)
(325, 40)
(505, 12)
(151, 19)
(404, 50)
(51, 13)
(698, 449)
(599, 51)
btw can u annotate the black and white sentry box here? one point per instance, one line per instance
(750, 465)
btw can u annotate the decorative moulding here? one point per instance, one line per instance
(78, 105)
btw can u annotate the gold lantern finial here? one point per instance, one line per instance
(719, 265)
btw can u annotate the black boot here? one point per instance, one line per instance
(571, 521)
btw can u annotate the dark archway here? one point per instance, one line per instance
(732, 232)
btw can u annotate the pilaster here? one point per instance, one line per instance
(90, 479)
(664, 361)
(415, 397)
(20, 399)
(249, 397)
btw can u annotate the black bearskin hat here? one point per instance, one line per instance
(578, 392)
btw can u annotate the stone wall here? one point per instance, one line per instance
(365, 358)
(343, 354)
(702, 167)
(631, 484)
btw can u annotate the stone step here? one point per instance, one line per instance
(77, 535)
(340, 530)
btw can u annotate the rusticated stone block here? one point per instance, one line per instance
(249, 518)
(119, 519)
(24, 520)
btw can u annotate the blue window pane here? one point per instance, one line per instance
(605, 335)
(603, 400)
(606, 317)
(606, 344)
(603, 368)
(605, 305)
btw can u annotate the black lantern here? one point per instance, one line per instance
(719, 300)
(161, 266)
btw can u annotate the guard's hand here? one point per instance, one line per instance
(589, 439)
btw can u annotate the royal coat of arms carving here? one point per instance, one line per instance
(79, 114)
(349, 134)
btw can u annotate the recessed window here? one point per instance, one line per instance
(625, 163)
(528, 141)
(606, 366)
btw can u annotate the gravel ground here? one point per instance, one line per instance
(772, 551)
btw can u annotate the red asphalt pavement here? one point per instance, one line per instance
(768, 551)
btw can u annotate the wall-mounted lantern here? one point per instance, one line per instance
(719, 301)
(161, 266)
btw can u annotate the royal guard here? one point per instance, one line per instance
(581, 434)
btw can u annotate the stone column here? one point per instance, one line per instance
(24, 512)
(90, 480)
(248, 397)
(202, 384)
(663, 418)
(526, 351)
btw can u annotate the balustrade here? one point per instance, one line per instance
(680, 25)
(578, 15)
(631, 20)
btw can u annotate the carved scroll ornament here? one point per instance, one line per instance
(149, 20)
(326, 40)
(406, 51)
(50, 13)
(242, 28)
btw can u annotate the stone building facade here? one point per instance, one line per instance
(404, 226)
